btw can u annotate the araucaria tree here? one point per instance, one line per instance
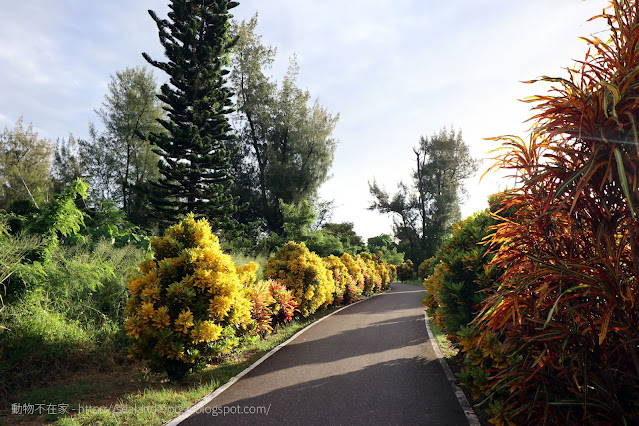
(424, 213)
(194, 163)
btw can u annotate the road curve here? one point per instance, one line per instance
(369, 364)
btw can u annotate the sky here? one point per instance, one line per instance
(394, 70)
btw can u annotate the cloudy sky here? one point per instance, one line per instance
(393, 69)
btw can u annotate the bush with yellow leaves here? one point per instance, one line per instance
(303, 273)
(188, 303)
(372, 279)
(340, 276)
(355, 271)
(384, 272)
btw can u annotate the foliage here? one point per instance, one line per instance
(273, 305)
(384, 272)
(303, 273)
(384, 246)
(355, 272)
(188, 302)
(299, 226)
(461, 274)
(67, 165)
(393, 272)
(565, 310)
(345, 233)
(63, 312)
(120, 161)
(423, 213)
(261, 311)
(426, 267)
(25, 165)
(59, 218)
(372, 279)
(340, 276)
(109, 223)
(285, 305)
(285, 147)
(406, 271)
(195, 161)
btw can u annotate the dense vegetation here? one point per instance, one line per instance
(83, 281)
(554, 340)
(539, 293)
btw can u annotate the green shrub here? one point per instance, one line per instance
(461, 272)
(426, 268)
(406, 271)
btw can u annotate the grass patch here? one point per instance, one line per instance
(417, 282)
(130, 394)
(447, 348)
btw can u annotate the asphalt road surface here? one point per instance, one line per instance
(369, 364)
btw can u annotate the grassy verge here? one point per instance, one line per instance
(417, 282)
(455, 360)
(449, 351)
(130, 394)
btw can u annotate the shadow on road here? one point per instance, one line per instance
(403, 391)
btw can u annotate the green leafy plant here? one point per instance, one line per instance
(406, 271)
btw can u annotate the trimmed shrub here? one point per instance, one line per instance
(426, 268)
(393, 272)
(304, 274)
(355, 272)
(340, 276)
(188, 302)
(406, 271)
(461, 274)
(372, 279)
(285, 305)
(383, 271)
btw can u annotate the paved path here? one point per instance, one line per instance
(369, 364)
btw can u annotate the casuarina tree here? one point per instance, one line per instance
(194, 164)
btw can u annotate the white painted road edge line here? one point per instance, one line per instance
(189, 412)
(468, 409)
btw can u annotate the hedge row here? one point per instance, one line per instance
(189, 302)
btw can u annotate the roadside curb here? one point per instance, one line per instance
(463, 402)
(194, 409)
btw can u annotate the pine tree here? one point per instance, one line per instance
(194, 162)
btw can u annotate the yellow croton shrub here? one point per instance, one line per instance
(304, 274)
(188, 302)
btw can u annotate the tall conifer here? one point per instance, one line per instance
(195, 164)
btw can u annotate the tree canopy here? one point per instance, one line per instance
(25, 165)
(285, 144)
(424, 212)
